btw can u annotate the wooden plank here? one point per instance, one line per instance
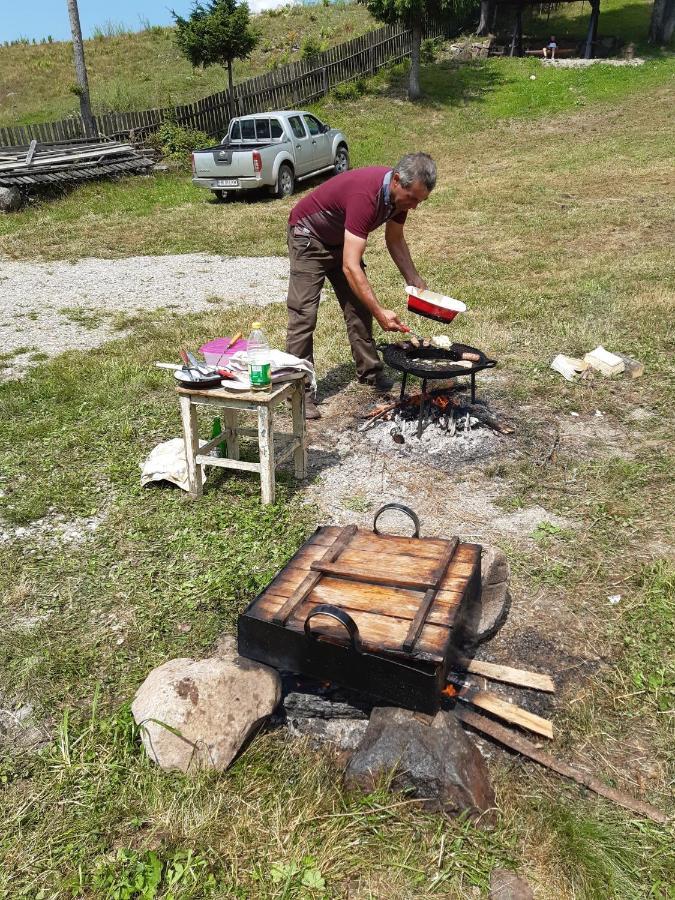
(375, 561)
(345, 571)
(31, 152)
(379, 634)
(510, 712)
(519, 677)
(360, 565)
(429, 548)
(291, 576)
(528, 749)
(308, 583)
(397, 603)
(425, 605)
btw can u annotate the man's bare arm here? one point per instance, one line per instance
(399, 252)
(354, 248)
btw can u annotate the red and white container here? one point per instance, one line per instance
(433, 305)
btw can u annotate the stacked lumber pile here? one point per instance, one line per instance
(68, 161)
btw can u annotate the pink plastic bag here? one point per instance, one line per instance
(214, 351)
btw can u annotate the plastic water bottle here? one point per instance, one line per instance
(259, 365)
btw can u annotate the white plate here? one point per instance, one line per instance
(227, 182)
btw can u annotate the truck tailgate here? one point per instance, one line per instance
(219, 162)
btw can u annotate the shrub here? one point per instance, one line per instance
(350, 90)
(311, 47)
(428, 51)
(176, 142)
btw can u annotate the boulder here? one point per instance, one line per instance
(11, 199)
(199, 713)
(434, 759)
(505, 885)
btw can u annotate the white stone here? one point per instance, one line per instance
(199, 713)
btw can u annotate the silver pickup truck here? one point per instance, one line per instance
(273, 150)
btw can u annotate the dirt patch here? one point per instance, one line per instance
(51, 531)
(18, 728)
(355, 472)
(596, 436)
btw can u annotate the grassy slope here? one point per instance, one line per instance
(140, 70)
(552, 217)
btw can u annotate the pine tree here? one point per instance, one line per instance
(216, 34)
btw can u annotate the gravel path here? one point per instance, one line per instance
(53, 307)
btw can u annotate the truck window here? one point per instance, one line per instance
(262, 129)
(313, 124)
(247, 130)
(235, 134)
(277, 130)
(297, 127)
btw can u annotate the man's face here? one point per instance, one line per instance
(405, 198)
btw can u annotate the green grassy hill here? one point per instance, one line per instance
(141, 70)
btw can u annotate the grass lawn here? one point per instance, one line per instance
(553, 218)
(142, 70)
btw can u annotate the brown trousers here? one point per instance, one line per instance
(311, 264)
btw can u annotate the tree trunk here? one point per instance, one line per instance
(592, 29)
(229, 75)
(487, 13)
(414, 90)
(517, 37)
(81, 70)
(662, 23)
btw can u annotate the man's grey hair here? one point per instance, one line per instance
(416, 167)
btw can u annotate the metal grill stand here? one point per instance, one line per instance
(433, 364)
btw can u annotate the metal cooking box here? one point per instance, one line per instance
(381, 614)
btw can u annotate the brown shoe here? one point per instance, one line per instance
(311, 409)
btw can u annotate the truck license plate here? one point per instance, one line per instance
(227, 182)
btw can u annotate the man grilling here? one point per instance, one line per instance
(327, 235)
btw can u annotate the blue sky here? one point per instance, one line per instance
(39, 18)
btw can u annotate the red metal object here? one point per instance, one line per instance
(433, 306)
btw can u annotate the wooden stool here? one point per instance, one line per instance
(229, 403)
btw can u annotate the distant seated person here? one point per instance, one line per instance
(550, 48)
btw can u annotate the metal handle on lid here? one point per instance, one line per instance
(401, 508)
(325, 609)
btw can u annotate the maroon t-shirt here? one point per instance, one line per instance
(356, 201)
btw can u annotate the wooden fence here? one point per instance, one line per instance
(287, 87)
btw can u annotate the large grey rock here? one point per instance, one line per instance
(437, 761)
(11, 199)
(505, 885)
(199, 713)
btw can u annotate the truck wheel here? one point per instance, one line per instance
(285, 181)
(341, 159)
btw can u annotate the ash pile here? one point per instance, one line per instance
(436, 424)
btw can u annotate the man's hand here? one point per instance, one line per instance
(418, 283)
(389, 321)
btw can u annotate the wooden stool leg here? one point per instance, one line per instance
(299, 428)
(189, 416)
(230, 417)
(266, 445)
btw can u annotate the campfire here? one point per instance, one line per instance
(443, 408)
